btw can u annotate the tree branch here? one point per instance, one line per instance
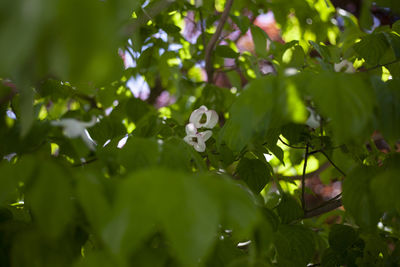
(211, 44)
(326, 207)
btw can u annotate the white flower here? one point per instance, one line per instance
(314, 120)
(196, 139)
(74, 128)
(345, 66)
(197, 116)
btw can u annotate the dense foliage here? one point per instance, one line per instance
(94, 168)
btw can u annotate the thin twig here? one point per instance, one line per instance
(211, 44)
(303, 180)
(382, 65)
(84, 163)
(286, 144)
(333, 164)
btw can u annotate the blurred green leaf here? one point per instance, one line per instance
(50, 199)
(226, 52)
(255, 173)
(372, 48)
(260, 107)
(345, 101)
(289, 209)
(260, 41)
(295, 245)
(358, 199)
(341, 237)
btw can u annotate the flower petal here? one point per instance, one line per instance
(90, 123)
(73, 128)
(200, 146)
(189, 139)
(190, 129)
(89, 142)
(313, 120)
(345, 66)
(196, 115)
(212, 119)
(204, 136)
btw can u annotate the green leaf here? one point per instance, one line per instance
(258, 108)
(396, 27)
(255, 173)
(92, 196)
(136, 109)
(260, 41)
(341, 237)
(186, 209)
(139, 153)
(107, 128)
(176, 154)
(345, 101)
(385, 186)
(50, 199)
(322, 50)
(372, 47)
(295, 245)
(366, 20)
(331, 258)
(388, 112)
(297, 59)
(394, 41)
(226, 51)
(242, 22)
(200, 221)
(358, 199)
(289, 209)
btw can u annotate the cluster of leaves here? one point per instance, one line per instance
(144, 197)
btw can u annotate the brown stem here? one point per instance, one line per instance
(303, 180)
(211, 44)
(326, 207)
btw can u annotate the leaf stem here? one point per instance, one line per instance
(286, 144)
(333, 164)
(303, 180)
